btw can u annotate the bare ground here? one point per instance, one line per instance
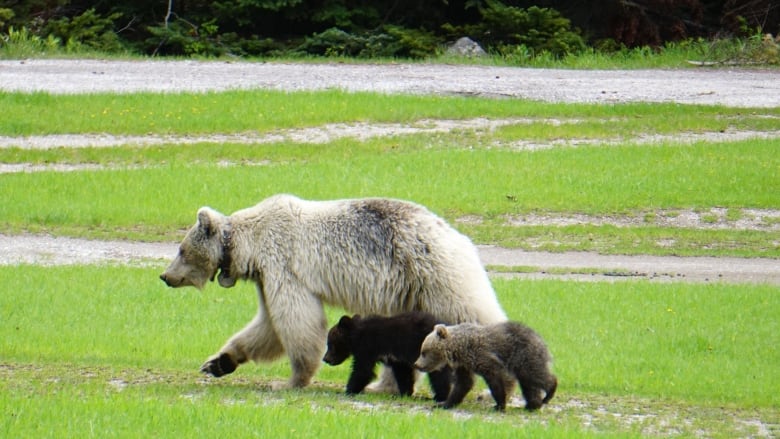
(731, 87)
(48, 250)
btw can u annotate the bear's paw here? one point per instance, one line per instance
(219, 365)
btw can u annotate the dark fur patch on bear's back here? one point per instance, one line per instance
(375, 223)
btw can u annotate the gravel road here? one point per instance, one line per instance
(730, 87)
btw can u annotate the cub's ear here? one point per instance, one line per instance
(346, 322)
(441, 331)
(209, 220)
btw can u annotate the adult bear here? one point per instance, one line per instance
(368, 256)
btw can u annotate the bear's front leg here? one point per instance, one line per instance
(303, 369)
(441, 383)
(300, 325)
(464, 381)
(404, 377)
(257, 341)
(362, 374)
(219, 365)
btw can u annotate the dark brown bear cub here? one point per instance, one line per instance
(394, 341)
(500, 353)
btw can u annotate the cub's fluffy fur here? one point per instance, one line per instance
(394, 341)
(500, 353)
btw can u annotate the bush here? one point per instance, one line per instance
(388, 42)
(5, 16)
(508, 29)
(22, 43)
(89, 29)
(180, 37)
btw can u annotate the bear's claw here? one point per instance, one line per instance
(218, 366)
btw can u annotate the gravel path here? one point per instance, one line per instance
(47, 250)
(730, 87)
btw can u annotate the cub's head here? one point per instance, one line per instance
(339, 347)
(433, 353)
(201, 253)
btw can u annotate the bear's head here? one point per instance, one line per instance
(339, 336)
(204, 250)
(433, 352)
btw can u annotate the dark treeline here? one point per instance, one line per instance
(367, 28)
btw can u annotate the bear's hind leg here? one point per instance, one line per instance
(552, 385)
(532, 394)
(497, 383)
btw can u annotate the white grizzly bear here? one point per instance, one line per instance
(368, 256)
(501, 353)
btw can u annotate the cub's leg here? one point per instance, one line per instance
(404, 377)
(362, 374)
(464, 381)
(441, 383)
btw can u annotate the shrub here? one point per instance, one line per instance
(507, 29)
(89, 29)
(23, 44)
(388, 42)
(181, 37)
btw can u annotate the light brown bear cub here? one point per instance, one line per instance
(500, 353)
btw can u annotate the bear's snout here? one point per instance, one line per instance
(168, 281)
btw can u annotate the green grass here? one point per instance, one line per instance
(441, 172)
(110, 351)
(226, 112)
(264, 110)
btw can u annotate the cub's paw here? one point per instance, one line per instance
(443, 405)
(219, 365)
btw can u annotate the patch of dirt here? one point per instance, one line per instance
(715, 218)
(316, 135)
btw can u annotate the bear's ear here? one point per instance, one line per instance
(441, 331)
(346, 322)
(209, 220)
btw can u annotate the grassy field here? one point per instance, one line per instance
(486, 176)
(117, 355)
(109, 351)
(259, 111)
